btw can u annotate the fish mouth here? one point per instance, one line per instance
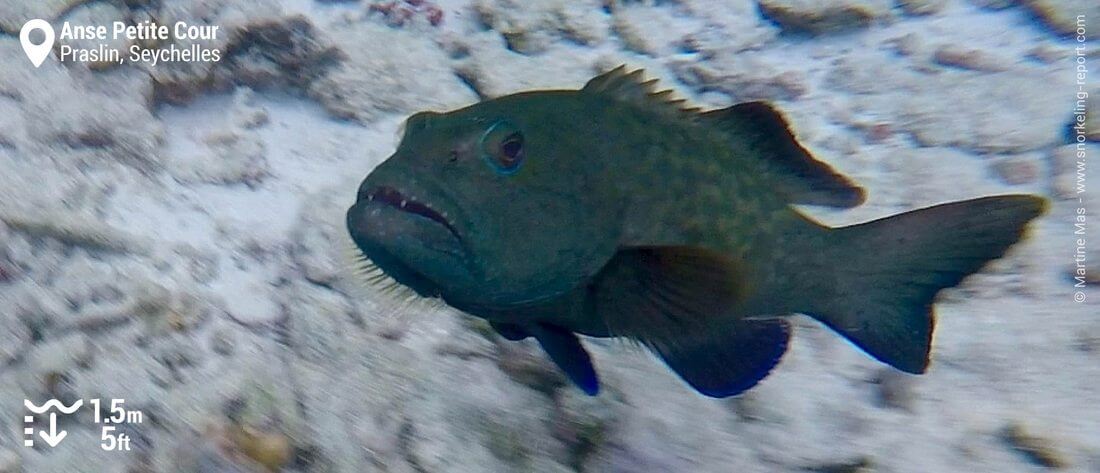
(392, 197)
(411, 241)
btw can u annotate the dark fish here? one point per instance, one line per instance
(614, 211)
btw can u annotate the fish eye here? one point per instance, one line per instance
(502, 146)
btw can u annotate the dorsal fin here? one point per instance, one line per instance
(761, 129)
(756, 126)
(632, 87)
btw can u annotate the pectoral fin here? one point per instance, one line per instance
(681, 303)
(566, 351)
(656, 293)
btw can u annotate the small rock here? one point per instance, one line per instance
(279, 52)
(905, 45)
(318, 321)
(15, 336)
(320, 248)
(371, 82)
(879, 132)
(530, 27)
(728, 27)
(895, 389)
(202, 265)
(825, 16)
(922, 7)
(1088, 340)
(858, 465)
(744, 77)
(261, 47)
(760, 406)
(222, 342)
(211, 451)
(271, 449)
(529, 369)
(96, 121)
(1038, 450)
(1065, 16)
(972, 59)
(633, 27)
(505, 443)
(186, 312)
(493, 71)
(989, 112)
(585, 423)
(74, 229)
(1048, 53)
(232, 157)
(246, 114)
(84, 356)
(995, 4)
(1016, 170)
(403, 12)
(50, 364)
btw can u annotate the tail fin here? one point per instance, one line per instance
(888, 271)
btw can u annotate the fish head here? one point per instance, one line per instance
(496, 205)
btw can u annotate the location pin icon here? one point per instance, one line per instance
(37, 52)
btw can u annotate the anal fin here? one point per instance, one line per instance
(729, 360)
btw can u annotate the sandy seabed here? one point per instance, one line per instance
(172, 235)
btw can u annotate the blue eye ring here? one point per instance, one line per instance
(502, 147)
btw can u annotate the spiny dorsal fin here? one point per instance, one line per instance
(753, 125)
(763, 130)
(631, 87)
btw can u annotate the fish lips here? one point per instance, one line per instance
(409, 240)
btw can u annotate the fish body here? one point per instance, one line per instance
(615, 211)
